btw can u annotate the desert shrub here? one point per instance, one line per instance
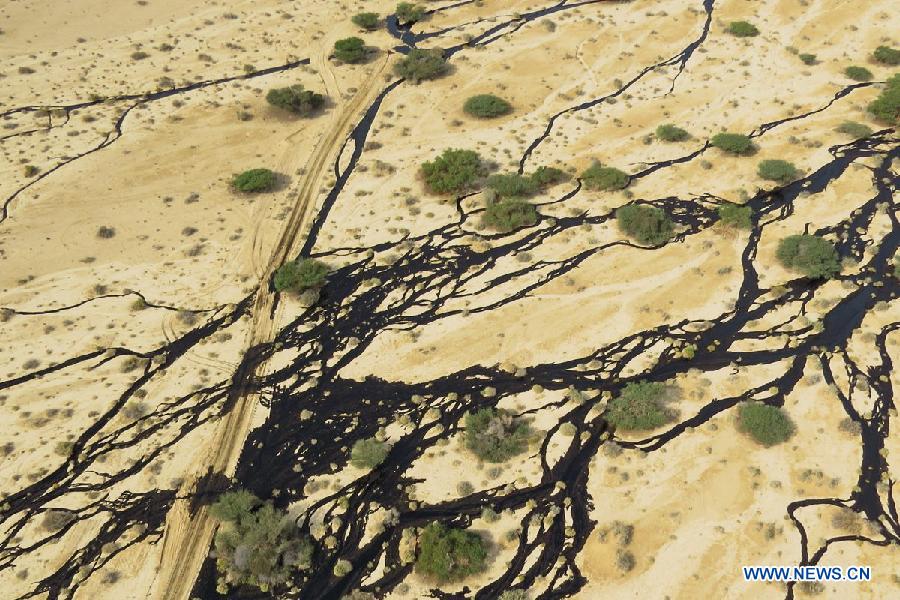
(735, 143)
(407, 12)
(811, 255)
(742, 29)
(514, 595)
(854, 130)
(257, 544)
(452, 171)
(598, 177)
(546, 176)
(448, 554)
(30, 170)
(366, 20)
(56, 519)
(887, 55)
(671, 133)
(808, 59)
(768, 425)
(777, 170)
(254, 180)
(139, 55)
(511, 185)
(625, 560)
(495, 436)
(735, 215)
(420, 65)
(105, 233)
(886, 107)
(646, 224)
(295, 99)
(507, 215)
(368, 453)
(350, 50)
(487, 106)
(640, 406)
(858, 73)
(342, 567)
(299, 275)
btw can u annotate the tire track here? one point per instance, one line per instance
(188, 536)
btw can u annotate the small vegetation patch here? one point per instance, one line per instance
(420, 65)
(641, 406)
(733, 143)
(495, 436)
(295, 99)
(742, 29)
(854, 130)
(511, 185)
(547, 176)
(449, 554)
(646, 224)
(407, 12)
(808, 59)
(886, 108)
(858, 73)
(299, 275)
(350, 50)
(368, 453)
(598, 177)
(809, 254)
(254, 181)
(453, 171)
(671, 133)
(509, 214)
(887, 55)
(768, 425)
(487, 106)
(777, 170)
(366, 20)
(256, 544)
(735, 215)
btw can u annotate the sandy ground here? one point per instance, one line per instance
(186, 250)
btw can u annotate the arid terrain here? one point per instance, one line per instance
(152, 361)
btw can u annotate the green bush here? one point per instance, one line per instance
(366, 20)
(808, 59)
(886, 107)
(810, 255)
(858, 73)
(671, 133)
(254, 180)
(350, 50)
(768, 425)
(854, 130)
(452, 171)
(511, 185)
(256, 544)
(368, 453)
(598, 177)
(777, 170)
(449, 554)
(742, 29)
(295, 99)
(487, 106)
(886, 55)
(420, 65)
(640, 406)
(407, 12)
(495, 436)
(546, 176)
(299, 275)
(507, 215)
(735, 215)
(646, 224)
(734, 143)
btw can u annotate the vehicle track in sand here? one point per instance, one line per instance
(189, 535)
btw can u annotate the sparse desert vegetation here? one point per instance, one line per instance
(810, 255)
